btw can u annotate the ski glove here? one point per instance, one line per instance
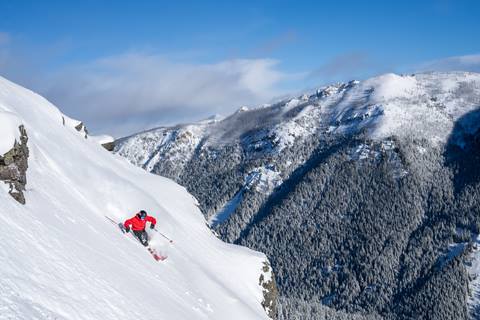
(152, 226)
(127, 229)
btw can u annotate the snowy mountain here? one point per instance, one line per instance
(364, 195)
(62, 259)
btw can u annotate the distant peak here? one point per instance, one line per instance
(212, 119)
(242, 109)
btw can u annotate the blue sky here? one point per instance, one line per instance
(145, 63)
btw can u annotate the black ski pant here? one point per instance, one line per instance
(142, 236)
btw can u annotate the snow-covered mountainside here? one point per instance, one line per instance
(364, 195)
(60, 258)
(424, 106)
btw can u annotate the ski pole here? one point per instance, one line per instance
(171, 241)
(113, 221)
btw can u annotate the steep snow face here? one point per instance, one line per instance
(62, 259)
(102, 139)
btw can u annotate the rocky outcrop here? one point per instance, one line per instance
(270, 293)
(82, 128)
(13, 167)
(110, 146)
(106, 141)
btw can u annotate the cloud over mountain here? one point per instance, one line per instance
(134, 91)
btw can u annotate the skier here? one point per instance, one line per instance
(138, 223)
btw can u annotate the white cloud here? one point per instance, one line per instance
(458, 63)
(343, 65)
(135, 91)
(126, 93)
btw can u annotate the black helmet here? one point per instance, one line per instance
(142, 214)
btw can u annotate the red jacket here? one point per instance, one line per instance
(139, 224)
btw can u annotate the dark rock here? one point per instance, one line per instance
(110, 146)
(81, 127)
(270, 292)
(14, 165)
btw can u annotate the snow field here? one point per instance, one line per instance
(60, 258)
(9, 131)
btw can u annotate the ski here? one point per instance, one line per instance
(152, 251)
(155, 255)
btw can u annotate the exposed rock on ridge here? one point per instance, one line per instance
(14, 165)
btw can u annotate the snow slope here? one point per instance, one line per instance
(102, 139)
(61, 259)
(422, 106)
(9, 132)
